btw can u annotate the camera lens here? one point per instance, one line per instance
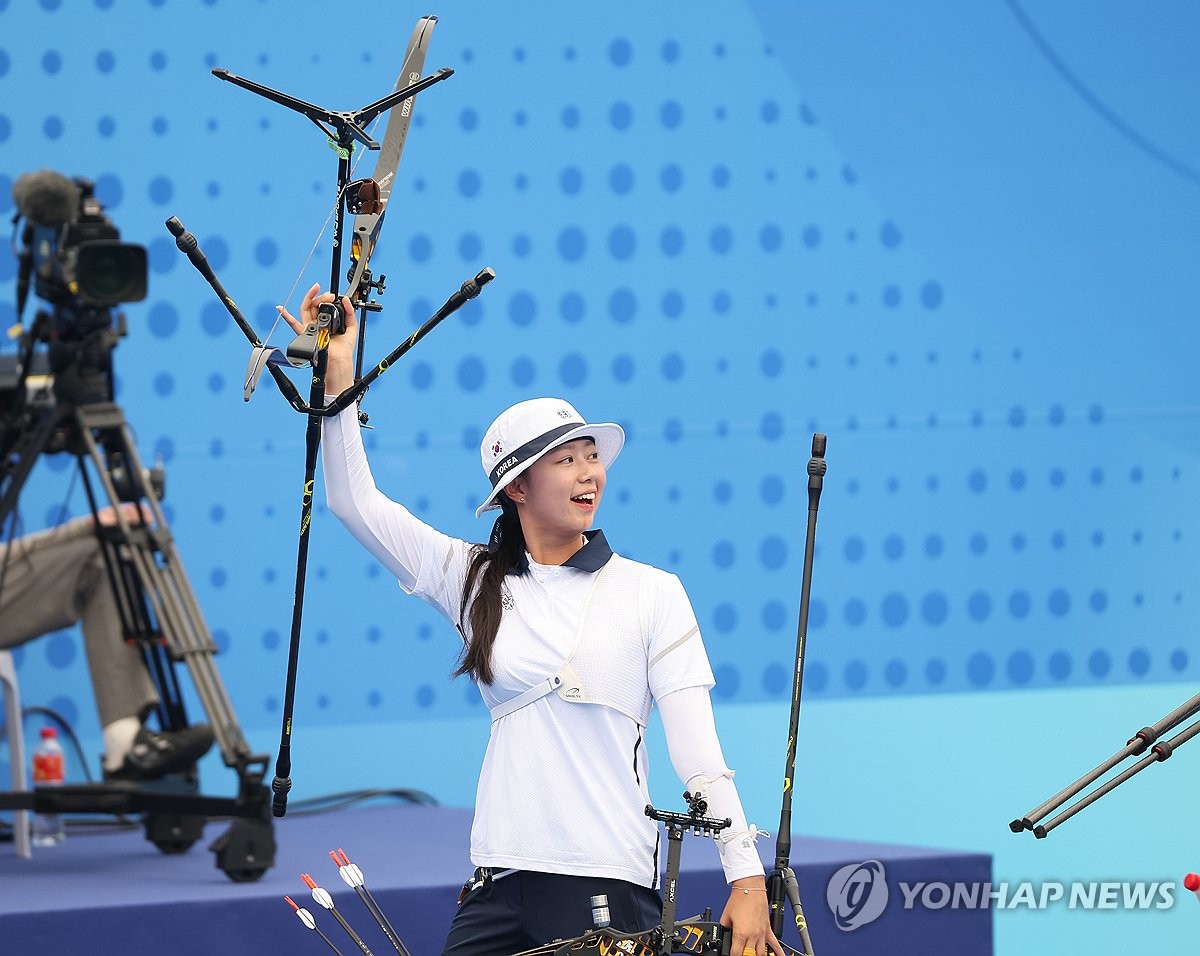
(109, 272)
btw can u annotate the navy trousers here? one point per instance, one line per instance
(524, 909)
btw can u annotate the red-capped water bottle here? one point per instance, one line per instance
(49, 770)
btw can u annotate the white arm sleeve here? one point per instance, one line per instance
(386, 529)
(695, 751)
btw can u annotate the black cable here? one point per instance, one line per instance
(119, 822)
(319, 804)
(338, 801)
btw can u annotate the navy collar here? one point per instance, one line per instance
(591, 557)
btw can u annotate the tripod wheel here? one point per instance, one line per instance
(173, 833)
(245, 874)
(246, 850)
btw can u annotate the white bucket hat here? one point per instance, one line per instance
(525, 432)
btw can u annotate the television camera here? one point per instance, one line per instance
(57, 395)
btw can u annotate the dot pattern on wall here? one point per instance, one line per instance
(681, 246)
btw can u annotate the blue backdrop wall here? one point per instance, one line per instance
(959, 239)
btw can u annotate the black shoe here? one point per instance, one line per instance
(156, 754)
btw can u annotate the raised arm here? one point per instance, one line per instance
(387, 529)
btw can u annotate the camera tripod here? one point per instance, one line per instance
(159, 613)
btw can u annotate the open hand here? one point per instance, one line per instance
(339, 370)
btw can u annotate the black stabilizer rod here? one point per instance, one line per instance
(191, 248)
(469, 290)
(348, 125)
(1158, 753)
(782, 884)
(1137, 745)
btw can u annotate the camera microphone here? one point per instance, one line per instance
(46, 198)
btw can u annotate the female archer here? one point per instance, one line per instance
(571, 645)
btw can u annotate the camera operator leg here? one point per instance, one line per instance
(56, 578)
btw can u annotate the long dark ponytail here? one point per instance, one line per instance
(489, 564)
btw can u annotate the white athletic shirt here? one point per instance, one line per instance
(563, 784)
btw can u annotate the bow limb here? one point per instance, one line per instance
(368, 223)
